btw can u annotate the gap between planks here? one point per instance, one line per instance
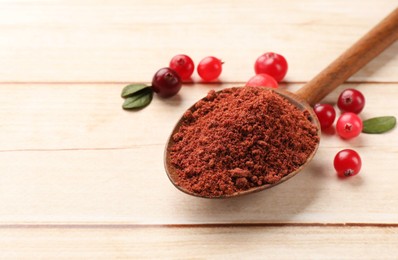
(187, 83)
(208, 225)
(106, 148)
(80, 149)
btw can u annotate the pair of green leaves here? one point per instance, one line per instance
(378, 125)
(137, 96)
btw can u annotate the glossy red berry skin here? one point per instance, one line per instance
(183, 65)
(209, 68)
(272, 64)
(351, 100)
(262, 80)
(347, 163)
(349, 125)
(166, 82)
(326, 115)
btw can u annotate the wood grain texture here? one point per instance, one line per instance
(123, 40)
(201, 243)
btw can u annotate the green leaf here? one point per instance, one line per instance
(378, 125)
(139, 100)
(131, 89)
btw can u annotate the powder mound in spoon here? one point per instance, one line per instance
(240, 138)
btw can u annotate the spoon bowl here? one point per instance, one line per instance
(297, 101)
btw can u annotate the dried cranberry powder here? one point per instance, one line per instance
(240, 138)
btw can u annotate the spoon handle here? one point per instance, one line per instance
(358, 55)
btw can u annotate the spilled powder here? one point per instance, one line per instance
(238, 139)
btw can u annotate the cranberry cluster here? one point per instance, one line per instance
(349, 125)
(168, 81)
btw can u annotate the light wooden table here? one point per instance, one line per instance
(82, 178)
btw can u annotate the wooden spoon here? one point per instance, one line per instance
(364, 50)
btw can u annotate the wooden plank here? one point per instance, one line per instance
(130, 186)
(89, 116)
(124, 40)
(69, 153)
(200, 243)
